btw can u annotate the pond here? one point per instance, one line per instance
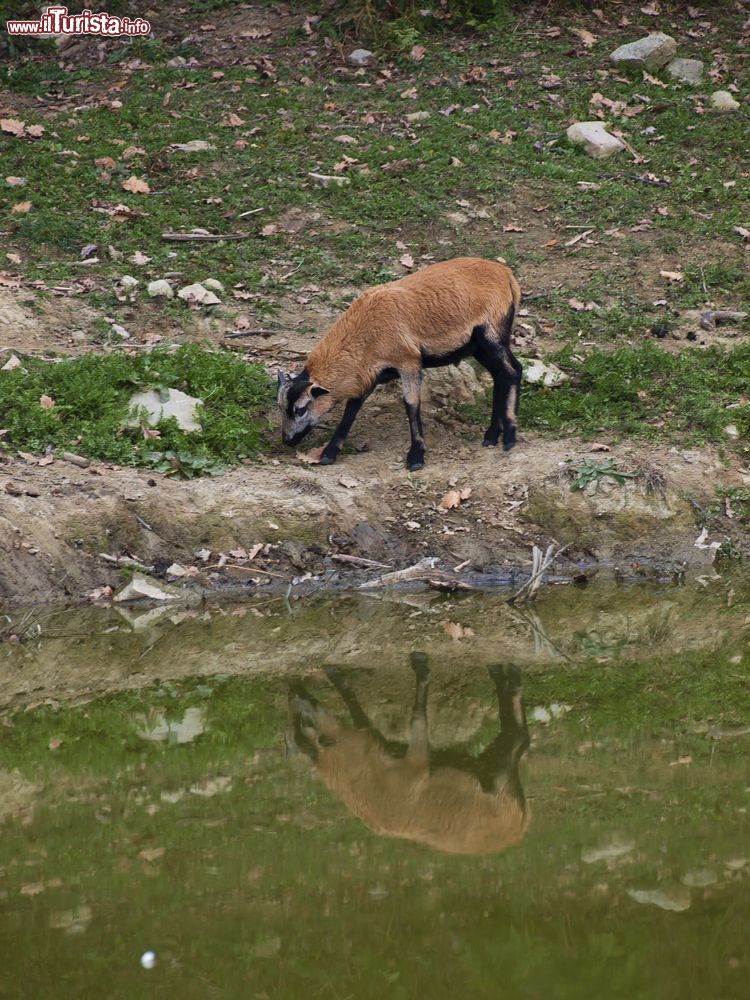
(395, 795)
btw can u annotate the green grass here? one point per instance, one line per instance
(91, 402)
(642, 392)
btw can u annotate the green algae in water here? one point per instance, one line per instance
(170, 816)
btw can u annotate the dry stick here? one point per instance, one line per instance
(252, 333)
(538, 569)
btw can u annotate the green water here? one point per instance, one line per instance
(149, 802)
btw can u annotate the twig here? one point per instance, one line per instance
(252, 333)
(205, 237)
(703, 281)
(540, 565)
(251, 212)
(359, 561)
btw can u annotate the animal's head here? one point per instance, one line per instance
(311, 727)
(302, 404)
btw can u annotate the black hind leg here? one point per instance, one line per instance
(506, 376)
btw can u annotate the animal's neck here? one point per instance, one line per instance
(338, 362)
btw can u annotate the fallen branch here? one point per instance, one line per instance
(419, 571)
(713, 316)
(539, 566)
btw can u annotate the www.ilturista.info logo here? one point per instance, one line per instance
(57, 21)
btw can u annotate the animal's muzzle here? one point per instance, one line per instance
(292, 439)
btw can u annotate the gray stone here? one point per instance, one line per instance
(142, 586)
(179, 405)
(595, 139)
(160, 289)
(78, 337)
(686, 70)
(542, 373)
(213, 284)
(722, 100)
(198, 294)
(128, 282)
(120, 331)
(651, 52)
(360, 57)
(328, 180)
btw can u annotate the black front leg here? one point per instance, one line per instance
(333, 447)
(410, 384)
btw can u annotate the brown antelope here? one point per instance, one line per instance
(437, 316)
(447, 800)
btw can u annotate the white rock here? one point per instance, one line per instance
(213, 284)
(676, 899)
(453, 384)
(595, 139)
(699, 878)
(160, 289)
(128, 282)
(179, 405)
(144, 586)
(722, 100)
(78, 337)
(360, 57)
(199, 294)
(608, 852)
(650, 52)
(194, 146)
(176, 570)
(686, 70)
(539, 372)
(731, 431)
(11, 364)
(326, 180)
(541, 714)
(120, 331)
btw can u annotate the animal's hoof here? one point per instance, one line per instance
(414, 462)
(489, 442)
(509, 441)
(327, 459)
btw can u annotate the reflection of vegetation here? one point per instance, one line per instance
(594, 644)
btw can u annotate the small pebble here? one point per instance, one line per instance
(148, 960)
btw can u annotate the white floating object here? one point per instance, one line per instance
(148, 960)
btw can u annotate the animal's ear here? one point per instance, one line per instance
(318, 390)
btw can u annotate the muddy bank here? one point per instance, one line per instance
(63, 528)
(83, 653)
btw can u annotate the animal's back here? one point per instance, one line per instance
(400, 797)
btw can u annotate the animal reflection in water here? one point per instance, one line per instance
(446, 799)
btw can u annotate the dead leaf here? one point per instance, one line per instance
(647, 78)
(151, 853)
(474, 75)
(15, 181)
(456, 631)
(13, 126)
(576, 305)
(105, 162)
(46, 460)
(13, 258)
(46, 402)
(311, 457)
(346, 139)
(131, 151)
(672, 275)
(511, 227)
(136, 185)
(597, 446)
(407, 260)
(451, 499)
(651, 10)
(417, 53)
(409, 95)
(269, 229)
(55, 743)
(32, 888)
(552, 32)
(231, 120)
(586, 37)
(21, 207)
(549, 243)
(349, 482)
(140, 258)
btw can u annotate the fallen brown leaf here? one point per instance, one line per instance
(21, 207)
(13, 126)
(456, 631)
(311, 457)
(231, 120)
(407, 260)
(136, 185)
(672, 275)
(15, 181)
